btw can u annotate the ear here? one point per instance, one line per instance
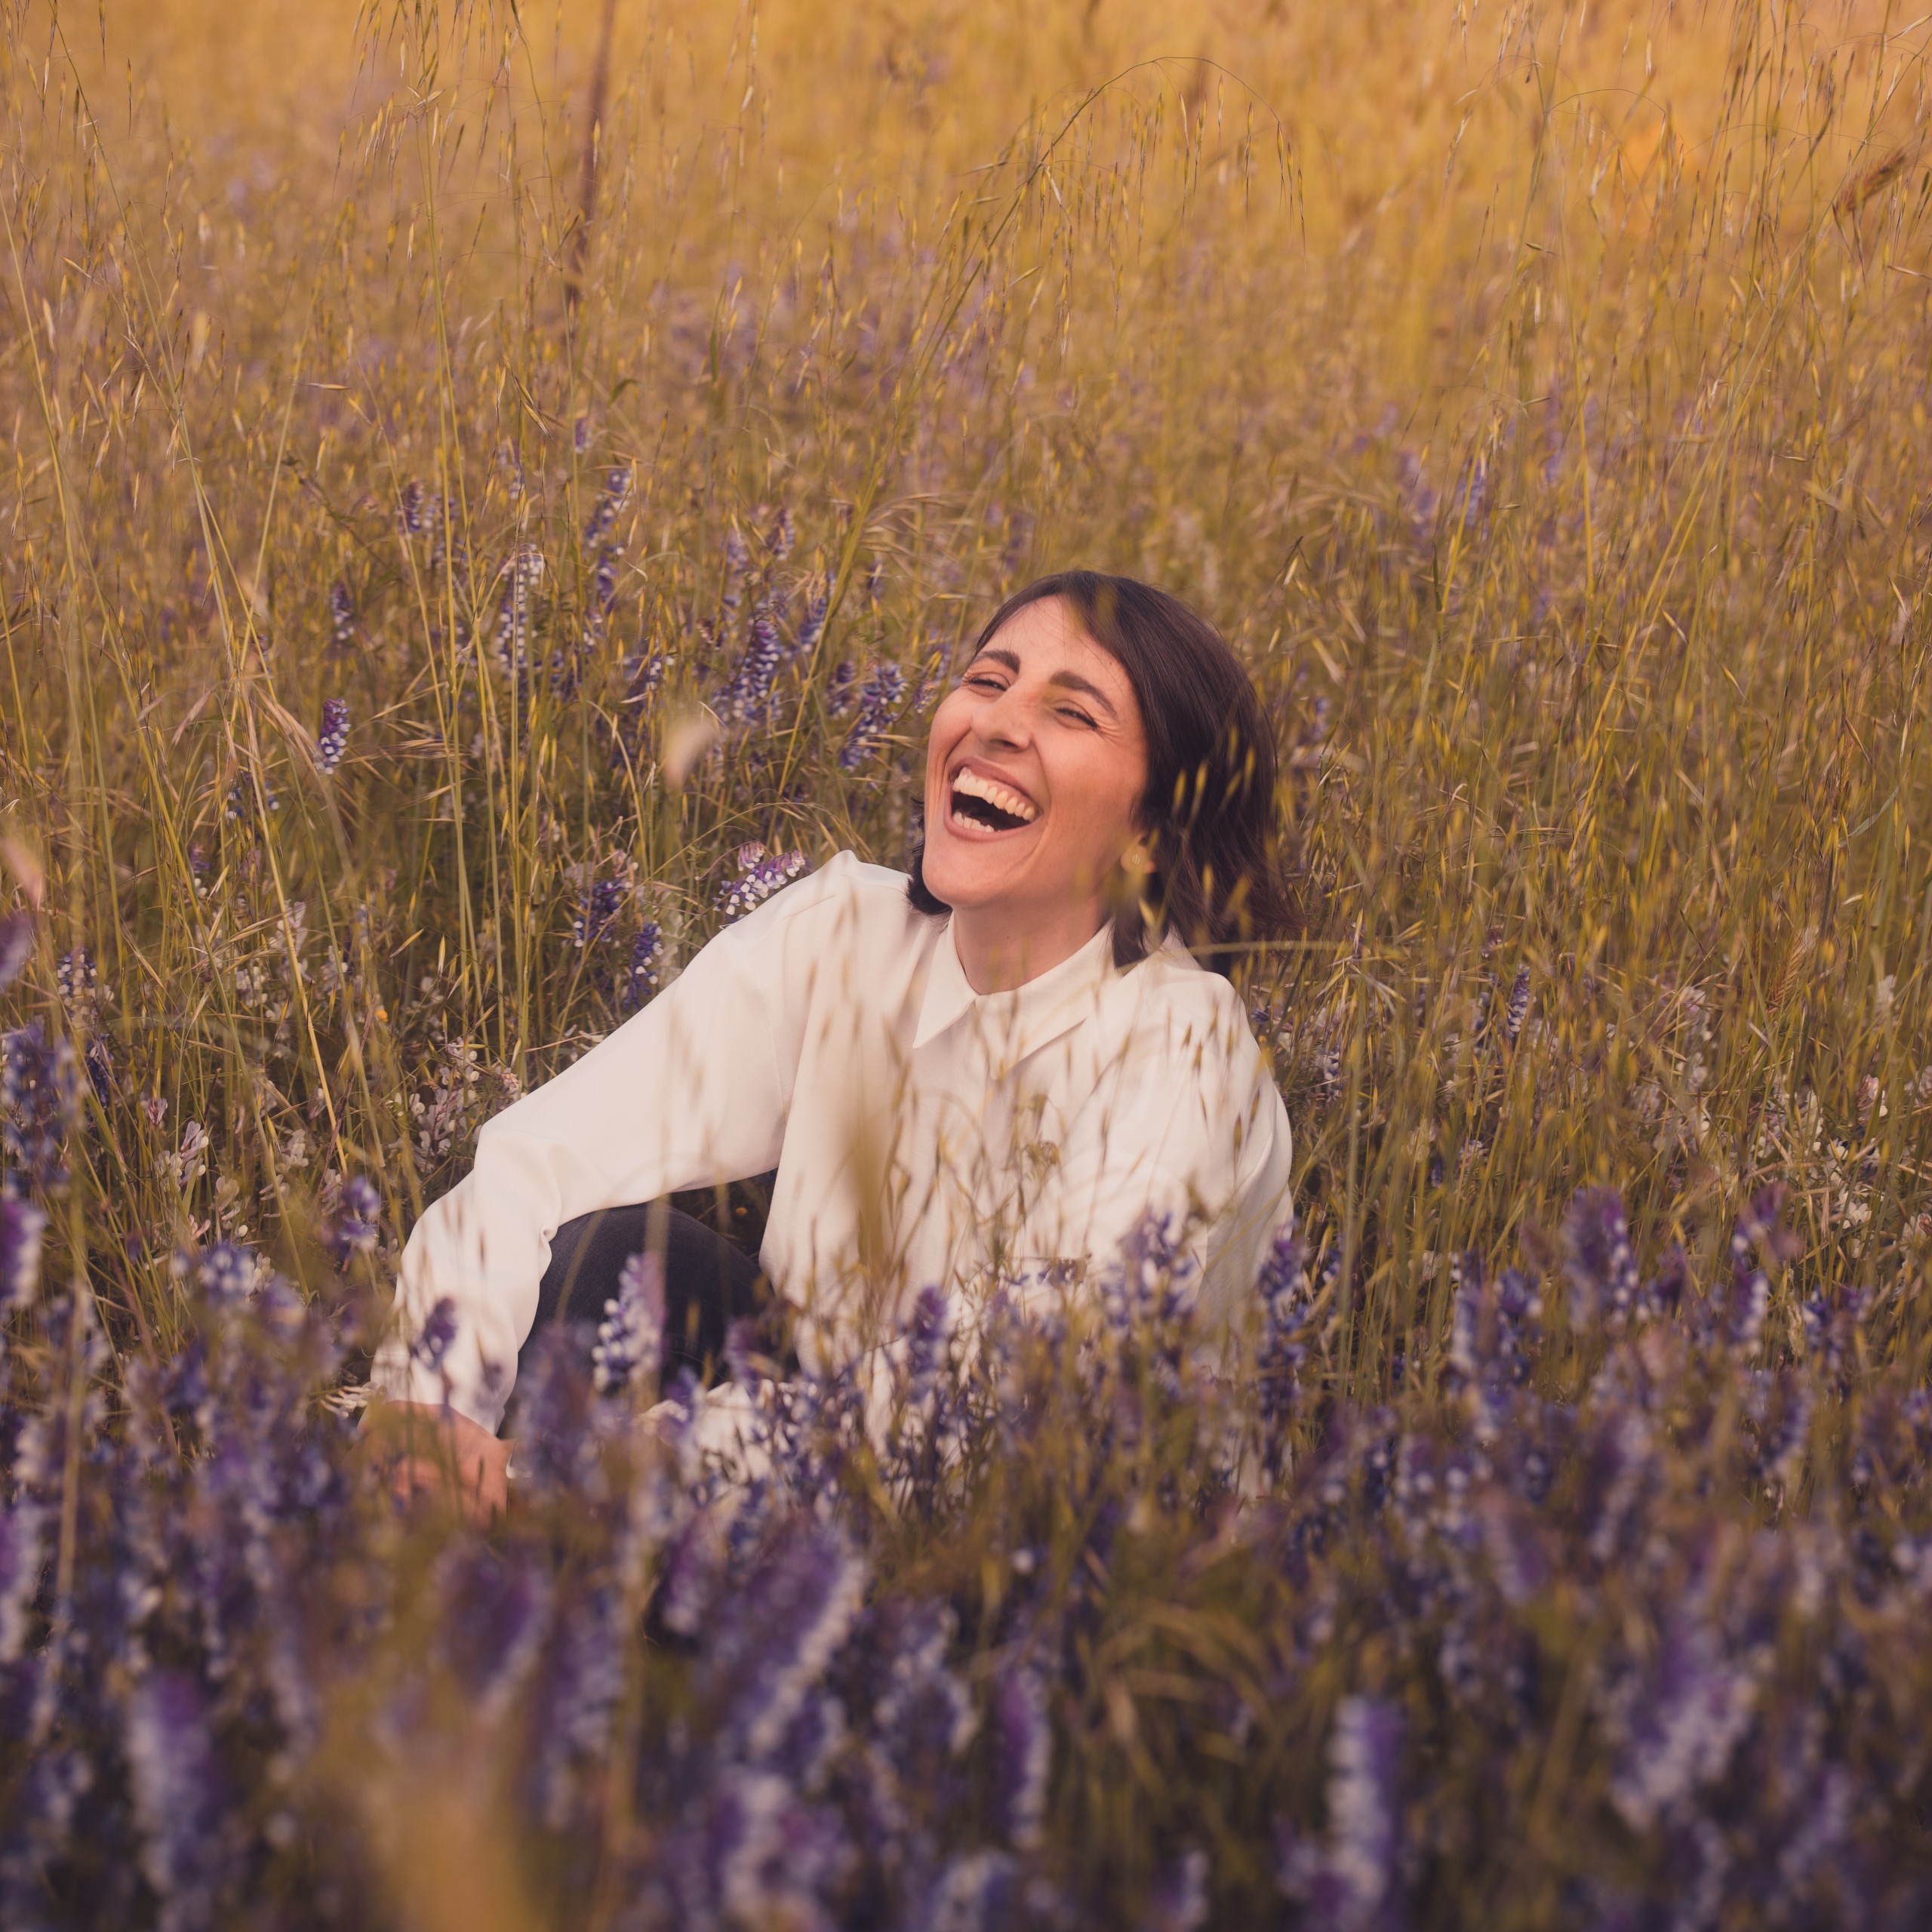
(1137, 861)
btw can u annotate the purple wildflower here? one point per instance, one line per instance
(603, 597)
(180, 1801)
(419, 510)
(1518, 1008)
(1676, 1721)
(775, 1634)
(22, 1225)
(630, 1339)
(760, 874)
(243, 796)
(342, 616)
(358, 1216)
(1597, 1261)
(877, 702)
(747, 696)
(16, 945)
(227, 1273)
(1350, 1883)
(520, 576)
(496, 1611)
(839, 688)
(812, 624)
(40, 1101)
(1023, 1724)
(611, 499)
(1758, 1231)
(978, 1891)
(783, 536)
(332, 740)
(641, 981)
(601, 908)
(1177, 1900)
(433, 1343)
(930, 680)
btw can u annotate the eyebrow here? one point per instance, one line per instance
(1066, 680)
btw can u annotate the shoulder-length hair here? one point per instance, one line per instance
(1209, 815)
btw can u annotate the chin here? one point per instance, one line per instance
(962, 879)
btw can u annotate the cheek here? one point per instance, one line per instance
(1103, 791)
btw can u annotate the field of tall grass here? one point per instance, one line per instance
(493, 490)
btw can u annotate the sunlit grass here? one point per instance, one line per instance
(1535, 397)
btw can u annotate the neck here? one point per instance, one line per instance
(1001, 948)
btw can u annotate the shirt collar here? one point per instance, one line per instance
(1025, 1019)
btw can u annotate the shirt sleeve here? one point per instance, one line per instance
(694, 1090)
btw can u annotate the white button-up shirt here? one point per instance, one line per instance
(921, 1132)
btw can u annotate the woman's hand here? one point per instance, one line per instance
(438, 1452)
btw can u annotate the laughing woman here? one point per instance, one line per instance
(990, 1071)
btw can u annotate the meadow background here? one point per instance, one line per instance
(474, 474)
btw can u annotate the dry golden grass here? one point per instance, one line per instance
(1535, 394)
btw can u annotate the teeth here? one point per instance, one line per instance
(1000, 797)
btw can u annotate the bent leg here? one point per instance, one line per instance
(709, 1283)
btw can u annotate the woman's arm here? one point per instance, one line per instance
(693, 1089)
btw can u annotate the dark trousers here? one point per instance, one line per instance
(710, 1283)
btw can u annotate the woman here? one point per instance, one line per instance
(989, 1072)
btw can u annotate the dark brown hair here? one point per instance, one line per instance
(1209, 814)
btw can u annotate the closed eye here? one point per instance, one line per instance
(982, 682)
(1078, 716)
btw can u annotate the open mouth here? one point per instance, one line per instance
(985, 801)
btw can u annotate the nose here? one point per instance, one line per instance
(1004, 721)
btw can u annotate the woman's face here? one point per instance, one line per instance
(1034, 772)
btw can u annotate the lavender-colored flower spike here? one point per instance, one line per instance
(227, 1272)
(438, 1333)
(761, 874)
(630, 1339)
(605, 901)
(838, 688)
(342, 616)
(16, 943)
(811, 625)
(521, 576)
(611, 500)
(1283, 1287)
(978, 1891)
(780, 1631)
(1351, 1883)
(22, 1225)
(359, 1212)
(878, 703)
(40, 1096)
(1675, 1724)
(1365, 1807)
(23, 1556)
(419, 511)
(640, 982)
(1177, 1900)
(1750, 1302)
(1024, 1725)
(748, 696)
(1597, 1260)
(332, 740)
(179, 1799)
(1518, 1008)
